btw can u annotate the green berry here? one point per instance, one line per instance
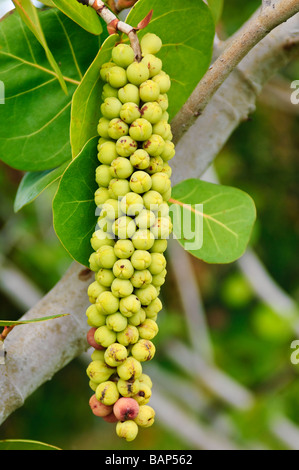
(141, 259)
(168, 151)
(152, 200)
(140, 182)
(105, 224)
(140, 159)
(118, 187)
(115, 354)
(111, 108)
(155, 166)
(99, 372)
(123, 269)
(105, 277)
(144, 378)
(123, 55)
(131, 204)
(121, 167)
(159, 246)
(107, 152)
(141, 279)
(129, 94)
(117, 129)
(100, 238)
(124, 227)
(110, 209)
(153, 308)
(137, 319)
(108, 302)
(163, 101)
(125, 146)
(143, 350)
(128, 388)
(107, 393)
(127, 430)
(160, 182)
(130, 112)
(148, 329)
(103, 176)
(144, 395)
(163, 129)
(98, 355)
(128, 336)
(152, 112)
(149, 91)
(143, 239)
(145, 417)
(124, 248)
(159, 279)
(129, 305)
(154, 145)
(104, 336)
(150, 44)
(107, 256)
(95, 319)
(162, 228)
(162, 80)
(109, 92)
(146, 295)
(167, 169)
(102, 128)
(153, 63)
(105, 70)
(145, 219)
(137, 73)
(94, 290)
(141, 129)
(116, 322)
(131, 369)
(117, 77)
(121, 287)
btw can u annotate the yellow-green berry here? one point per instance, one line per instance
(129, 335)
(116, 322)
(115, 354)
(130, 369)
(145, 417)
(99, 371)
(148, 329)
(127, 430)
(107, 393)
(104, 336)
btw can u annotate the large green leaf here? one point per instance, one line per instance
(34, 183)
(34, 122)
(216, 9)
(187, 31)
(86, 17)
(222, 219)
(74, 207)
(23, 444)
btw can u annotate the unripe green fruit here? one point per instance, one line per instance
(163, 129)
(121, 168)
(98, 408)
(111, 107)
(144, 378)
(146, 295)
(131, 204)
(153, 63)
(95, 319)
(159, 246)
(137, 319)
(129, 305)
(152, 200)
(163, 80)
(150, 44)
(137, 73)
(117, 129)
(148, 329)
(110, 210)
(145, 219)
(168, 151)
(167, 170)
(155, 166)
(117, 77)
(94, 262)
(128, 336)
(143, 239)
(141, 129)
(143, 350)
(104, 224)
(105, 70)
(129, 94)
(105, 277)
(141, 279)
(158, 263)
(145, 417)
(149, 91)
(154, 145)
(94, 290)
(116, 322)
(144, 394)
(124, 227)
(103, 175)
(123, 55)
(127, 430)
(102, 128)
(107, 393)
(141, 259)
(118, 187)
(104, 336)
(124, 248)
(159, 279)
(131, 369)
(162, 228)
(128, 388)
(153, 308)
(125, 146)
(123, 269)
(107, 153)
(152, 112)
(93, 385)
(140, 182)
(140, 159)
(163, 101)
(107, 256)
(109, 92)
(108, 302)
(130, 112)
(163, 210)
(102, 141)
(98, 355)
(121, 287)
(115, 354)
(99, 372)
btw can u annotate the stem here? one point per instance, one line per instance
(7, 329)
(255, 30)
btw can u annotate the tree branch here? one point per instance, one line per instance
(254, 31)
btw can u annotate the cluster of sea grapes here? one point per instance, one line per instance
(134, 148)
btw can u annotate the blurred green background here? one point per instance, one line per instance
(251, 341)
